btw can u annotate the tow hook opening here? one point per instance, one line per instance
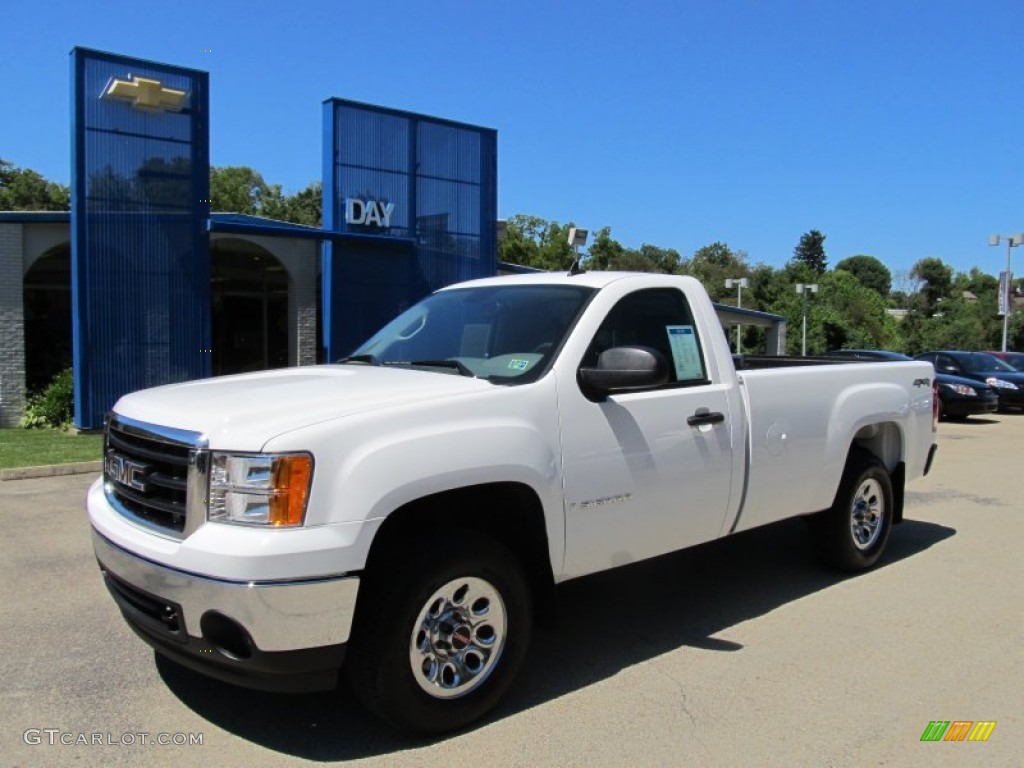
(226, 635)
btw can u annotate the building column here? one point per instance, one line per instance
(12, 324)
(301, 260)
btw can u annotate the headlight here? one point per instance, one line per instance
(992, 381)
(961, 389)
(259, 488)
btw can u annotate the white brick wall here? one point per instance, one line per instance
(12, 324)
(302, 266)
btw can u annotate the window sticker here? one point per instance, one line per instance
(685, 352)
(518, 365)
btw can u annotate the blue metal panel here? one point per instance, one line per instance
(437, 179)
(140, 274)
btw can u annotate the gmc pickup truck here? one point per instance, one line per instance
(398, 515)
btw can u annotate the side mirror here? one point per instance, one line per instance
(950, 369)
(622, 368)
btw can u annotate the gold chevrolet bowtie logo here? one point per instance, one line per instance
(145, 94)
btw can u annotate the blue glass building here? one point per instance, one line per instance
(163, 291)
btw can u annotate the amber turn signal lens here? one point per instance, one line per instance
(290, 483)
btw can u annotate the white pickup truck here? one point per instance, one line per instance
(404, 510)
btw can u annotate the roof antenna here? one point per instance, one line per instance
(577, 238)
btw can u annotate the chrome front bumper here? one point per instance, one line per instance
(271, 635)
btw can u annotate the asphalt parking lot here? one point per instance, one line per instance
(743, 652)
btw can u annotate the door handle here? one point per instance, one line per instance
(704, 416)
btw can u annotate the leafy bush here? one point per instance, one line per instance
(53, 406)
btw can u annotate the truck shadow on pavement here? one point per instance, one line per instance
(598, 626)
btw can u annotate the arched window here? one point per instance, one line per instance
(250, 307)
(47, 296)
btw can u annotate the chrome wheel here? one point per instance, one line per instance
(866, 513)
(852, 533)
(458, 637)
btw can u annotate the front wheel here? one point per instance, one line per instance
(440, 641)
(852, 534)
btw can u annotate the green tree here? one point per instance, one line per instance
(665, 260)
(957, 325)
(869, 271)
(535, 242)
(843, 313)
(605, 253)
(936, 283)
(904, 287)
(787, 302)
(713, 264)
(853, 315)
(240, 189)
(305, 206)
(22, 189)
(633, 260)
(519, 245)
(810, 251)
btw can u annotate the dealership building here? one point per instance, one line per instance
(141, 284)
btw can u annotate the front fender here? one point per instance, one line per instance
(368, 466)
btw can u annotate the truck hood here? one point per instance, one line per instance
(243, 412)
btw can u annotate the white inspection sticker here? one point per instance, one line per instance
(685, 352)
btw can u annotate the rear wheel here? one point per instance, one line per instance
(853, 533)
(439, 642)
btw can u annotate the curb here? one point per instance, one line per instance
(52, 470)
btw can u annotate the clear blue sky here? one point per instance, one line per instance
(896, 127)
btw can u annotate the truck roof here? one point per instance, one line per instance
(589, 279)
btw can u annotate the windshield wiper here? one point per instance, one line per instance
(360, 359)
(453, 364)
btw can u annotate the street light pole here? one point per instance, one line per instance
(1005, 285)
(740, 283)
(803, 288)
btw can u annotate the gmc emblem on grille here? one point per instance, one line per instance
(123, 470)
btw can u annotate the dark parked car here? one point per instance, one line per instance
(979, 366)
(958, 397)
(1014, 359)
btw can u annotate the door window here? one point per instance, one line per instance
(660, 319)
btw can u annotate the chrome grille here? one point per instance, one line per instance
(147, 470)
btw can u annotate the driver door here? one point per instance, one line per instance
(640, 480)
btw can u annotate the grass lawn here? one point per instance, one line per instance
(37, 447)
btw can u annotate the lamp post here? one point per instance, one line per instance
(577, 239)
(803, 288)
(740, 283)
(1005, 292)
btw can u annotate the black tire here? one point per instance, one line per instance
(417, 688)
(852, 534)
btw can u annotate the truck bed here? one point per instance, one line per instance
(754, 362)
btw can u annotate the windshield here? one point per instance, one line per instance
(979, 362)
(503, 333)
(1015, 360)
